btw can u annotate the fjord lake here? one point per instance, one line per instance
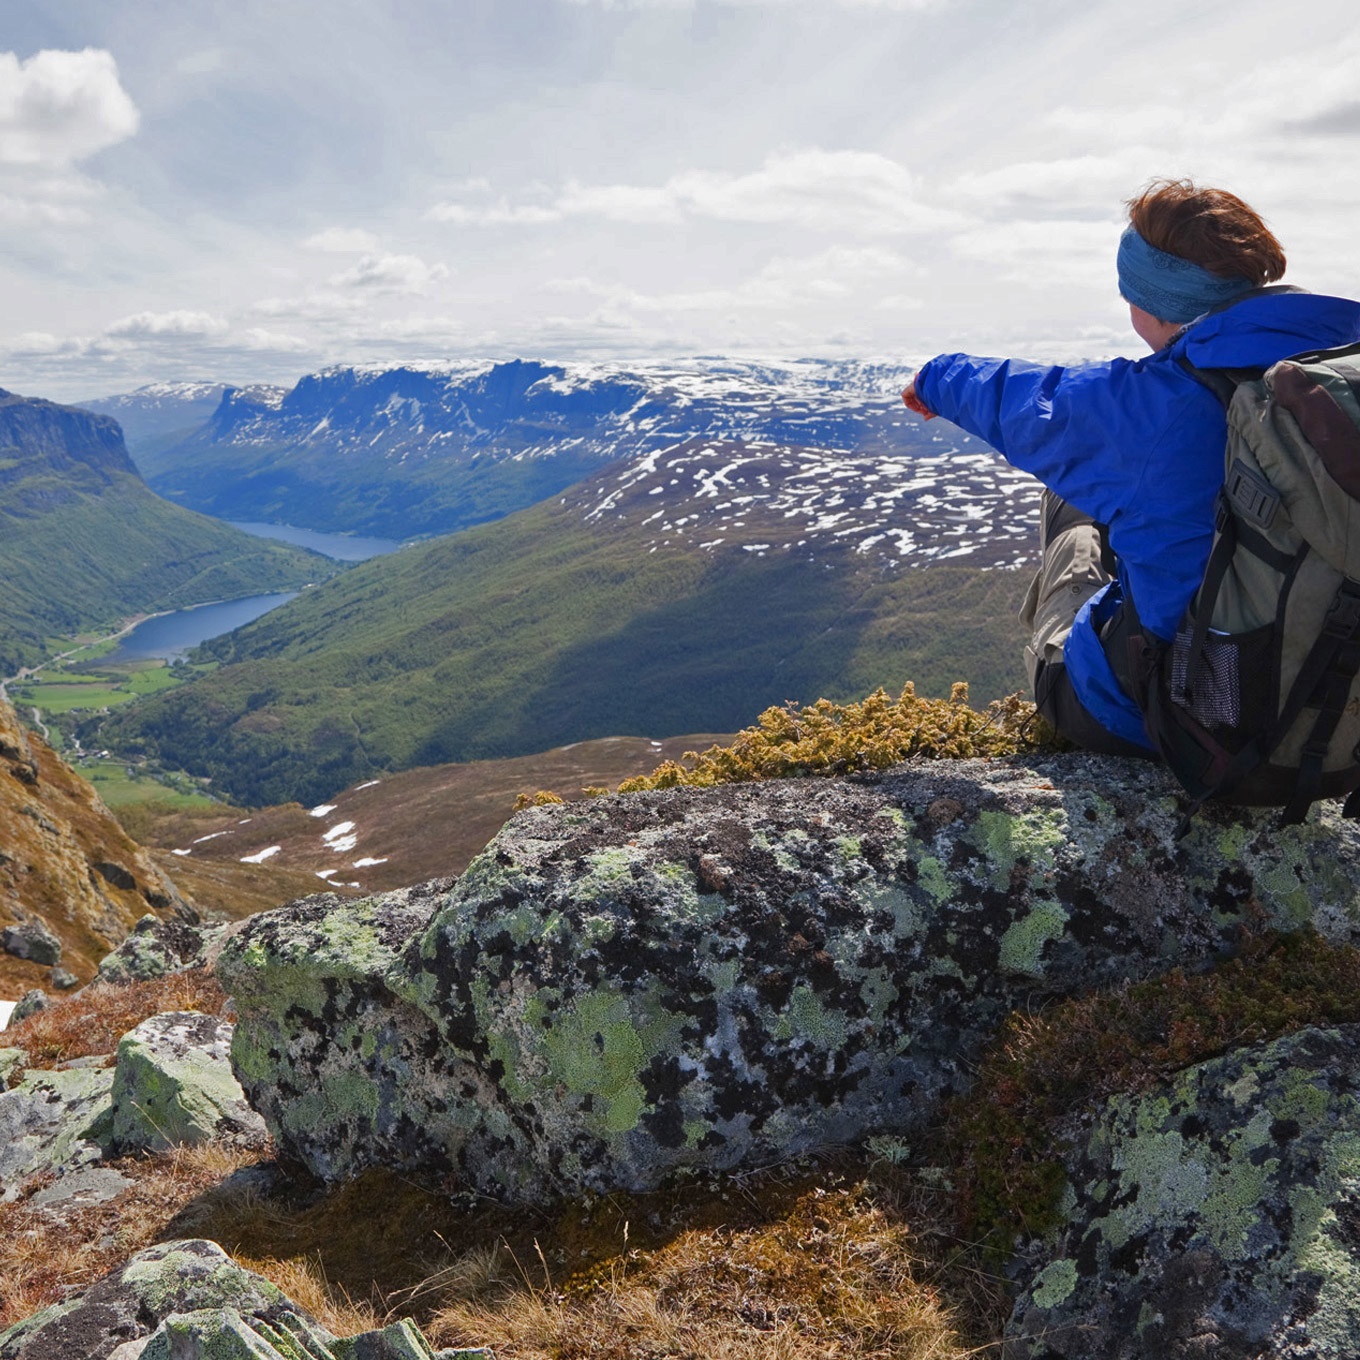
(176, 634)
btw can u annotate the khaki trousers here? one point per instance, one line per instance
(1070, 572)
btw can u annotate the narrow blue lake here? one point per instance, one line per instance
(342, 547)
(175, 635)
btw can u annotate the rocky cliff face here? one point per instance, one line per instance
(72, 882)
(620, 990)
(51, 453)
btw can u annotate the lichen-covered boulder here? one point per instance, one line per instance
(54, 1122)
(709, 978)
(30, 1003)
(1217, 1217)
(173, 1084)
(189, 1300)
(156, 947)
(222, 1334)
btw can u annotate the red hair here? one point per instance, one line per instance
(1209, 227)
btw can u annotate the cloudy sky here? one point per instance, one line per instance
(246, 190)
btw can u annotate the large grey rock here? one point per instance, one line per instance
(173, 1085)
(81, 1189)
(53, 1122)
(31, 940)
(155, 947)
(188, 1300)
(1217, 1217)
(619, 989)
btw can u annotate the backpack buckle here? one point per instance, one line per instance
(1343, 615)
(1251, 495)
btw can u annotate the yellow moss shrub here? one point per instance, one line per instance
(825, 738)
(831, 739)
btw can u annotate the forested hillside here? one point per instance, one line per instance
(83, 542)
(616, 609)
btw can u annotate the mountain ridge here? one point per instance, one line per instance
(418, 450)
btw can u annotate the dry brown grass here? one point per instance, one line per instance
(832, 1263)
(799, 1264)
(92, 1022)
(836, 1276)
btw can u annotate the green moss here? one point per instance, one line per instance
(1022, 946)
(1055, 1283)
(826, 738)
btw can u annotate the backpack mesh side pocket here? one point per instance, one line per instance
(1216, 699)
(1231, 686)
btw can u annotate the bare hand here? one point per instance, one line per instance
(914, 403)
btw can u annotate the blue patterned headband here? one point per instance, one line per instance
(1170, 288)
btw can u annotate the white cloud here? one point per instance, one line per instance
(35, 208)
(390, 274)
(317, 305)
(838, 283)
(343, 241)
(1067, 186)
(499, 213)
(166, 325)
(839, 191)
(35, 343)
(257, 339)
(59, 107)
(906, 6)
(201, 63)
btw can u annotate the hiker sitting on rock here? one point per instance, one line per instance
(1136, 446)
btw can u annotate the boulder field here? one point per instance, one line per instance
(619, 991)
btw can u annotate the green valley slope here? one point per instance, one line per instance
(570, 620)
(84, 543)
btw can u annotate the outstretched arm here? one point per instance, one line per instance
(1070, 427)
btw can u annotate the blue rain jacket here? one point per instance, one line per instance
(1137, 444)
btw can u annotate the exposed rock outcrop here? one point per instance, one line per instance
(171, 1083)
(188, 1300)
(1219, 1216)
(72, 882)
(619, 990)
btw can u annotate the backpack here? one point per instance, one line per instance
(1256, 700)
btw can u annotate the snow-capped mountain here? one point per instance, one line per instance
(407, 452)
(159, 409)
